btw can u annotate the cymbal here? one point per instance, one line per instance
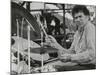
(42, 50)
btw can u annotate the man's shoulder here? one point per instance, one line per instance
(90, 30)
(90, 27)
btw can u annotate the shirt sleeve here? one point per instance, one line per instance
(88, 54)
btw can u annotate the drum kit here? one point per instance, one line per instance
(39, 56)
(36, 56)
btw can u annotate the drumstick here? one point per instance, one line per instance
(43, 29)
(52, 60)
(30, 25)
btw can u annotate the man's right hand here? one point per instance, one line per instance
(51, 41)
(65, 57)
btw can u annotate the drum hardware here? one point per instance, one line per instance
(18, 43)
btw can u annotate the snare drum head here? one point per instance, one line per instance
(38, 57)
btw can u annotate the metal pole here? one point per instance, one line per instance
(42, 63)
(22, 34)
(64, 43)
(41, 54)
(28, 5)
(22, 27)
(18, 45)
(28, 27)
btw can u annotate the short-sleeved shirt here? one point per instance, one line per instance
(84, 45)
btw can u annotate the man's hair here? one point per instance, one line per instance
(80, 8)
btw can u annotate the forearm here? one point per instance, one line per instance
(63, 51)
(83, 57)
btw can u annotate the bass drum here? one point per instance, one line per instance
(19, 13)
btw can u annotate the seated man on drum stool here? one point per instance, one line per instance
(82, 50)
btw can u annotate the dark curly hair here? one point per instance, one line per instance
(80, 8)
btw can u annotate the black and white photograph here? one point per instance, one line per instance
(52, 37)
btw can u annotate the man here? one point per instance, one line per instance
(82, 50)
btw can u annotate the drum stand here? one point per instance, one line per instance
(18, 46)
(28, 35)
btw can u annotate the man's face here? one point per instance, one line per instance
(80, 19)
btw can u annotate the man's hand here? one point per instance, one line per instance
(51, 41)
(65, 58)
(63, 54)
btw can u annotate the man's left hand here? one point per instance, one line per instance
(65, 58)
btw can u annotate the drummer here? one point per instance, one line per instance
(82, 50)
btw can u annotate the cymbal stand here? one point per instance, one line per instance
(42, 31)
(41, 53)
(28, 27)
(22, 33)
(18, 44)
